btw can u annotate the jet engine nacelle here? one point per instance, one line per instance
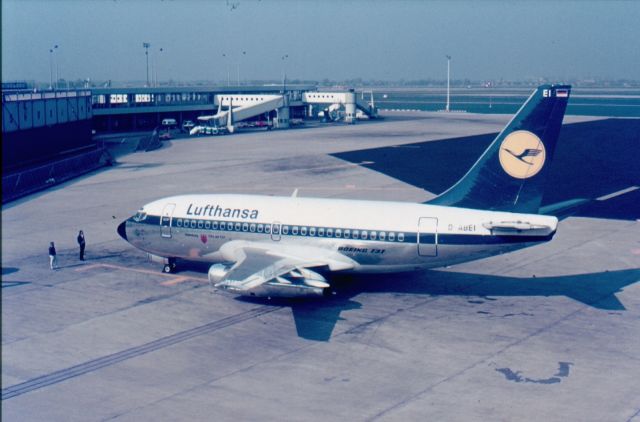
(217, 272)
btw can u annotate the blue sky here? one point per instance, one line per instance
(102, 39)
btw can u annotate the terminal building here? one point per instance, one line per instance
(135, 109)
(50, 136)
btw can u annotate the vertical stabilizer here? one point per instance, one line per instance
(510, 174)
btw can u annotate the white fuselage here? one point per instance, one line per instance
(376, 235)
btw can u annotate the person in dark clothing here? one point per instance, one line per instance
(53, 259)
(82, 243)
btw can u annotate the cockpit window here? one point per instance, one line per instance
(140, 216)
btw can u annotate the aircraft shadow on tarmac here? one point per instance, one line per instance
(592, 159)
(316, 319)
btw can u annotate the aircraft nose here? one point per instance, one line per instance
(122, 230)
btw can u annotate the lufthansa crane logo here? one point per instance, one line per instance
(522, 154)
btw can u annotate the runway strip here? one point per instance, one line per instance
(93, 365)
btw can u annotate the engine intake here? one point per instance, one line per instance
(217, 272)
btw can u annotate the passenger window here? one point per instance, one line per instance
(245, 227)
(275, 229)
(312, 231)
(363, 235)
(382, 235)
(179, 222)
(338, 233)
(303, 231)
(329, 232)
(356, 234)
(321, 231)
(223, 226)
(199, 224)
(392, 237)
(285, 229)
(400, 237)
(252, 228)
(238, 227)
(294, 230)
(347, 234)
(267, 229)
(214, 225)
(260, 228)
(207, 225)
(374, 236)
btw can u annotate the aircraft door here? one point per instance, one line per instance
(275, 231)
(165, 220)
(428, 236)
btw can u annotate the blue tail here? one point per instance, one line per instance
(510, 174)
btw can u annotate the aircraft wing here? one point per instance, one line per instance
(274, 270)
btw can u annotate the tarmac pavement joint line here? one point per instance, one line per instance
(420, 393)
(105, 361)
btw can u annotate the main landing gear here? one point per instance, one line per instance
(169, 266)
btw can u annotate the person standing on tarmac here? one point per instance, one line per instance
(53, 259)
(82, 243)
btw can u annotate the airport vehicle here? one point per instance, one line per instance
(169, 122)
(285, 246)
(187, 125)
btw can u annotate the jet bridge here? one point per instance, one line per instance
(348, 99)
(242, 107)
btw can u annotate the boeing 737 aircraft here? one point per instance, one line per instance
(285, 246)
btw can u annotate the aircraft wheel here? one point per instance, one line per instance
(167, 268)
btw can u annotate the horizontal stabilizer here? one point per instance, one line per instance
(564, 209)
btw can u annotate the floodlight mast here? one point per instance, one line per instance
(448, 84)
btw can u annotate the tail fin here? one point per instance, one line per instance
(509, 176)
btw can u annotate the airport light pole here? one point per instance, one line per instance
(146, 46)
(284, 73)
(227, 66)
(51, 50)
(448, 74)
(244, 53)
(155, 66)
